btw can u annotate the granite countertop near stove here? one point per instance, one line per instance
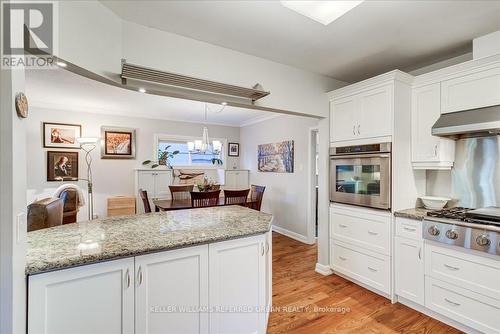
(118, 237)
(415, 213)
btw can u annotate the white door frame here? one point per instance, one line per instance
(311, 187)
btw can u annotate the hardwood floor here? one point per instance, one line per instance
(297, 287)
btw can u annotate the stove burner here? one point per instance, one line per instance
(457, 213)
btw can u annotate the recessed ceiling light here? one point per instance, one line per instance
(142, 90)
(61, 64)
(324, 12)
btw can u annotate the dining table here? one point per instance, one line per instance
(180, 204)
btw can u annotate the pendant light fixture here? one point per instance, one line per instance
(203, 144)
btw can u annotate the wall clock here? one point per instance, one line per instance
(21, 105)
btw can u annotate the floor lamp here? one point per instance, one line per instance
(88, 144)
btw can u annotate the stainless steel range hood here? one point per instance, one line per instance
(479, 122)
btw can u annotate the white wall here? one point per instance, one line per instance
(111, 177)
(286, 195)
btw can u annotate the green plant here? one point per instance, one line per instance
(216, 161)
(163, 157)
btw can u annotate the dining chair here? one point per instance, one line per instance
(256, 194)
(181, 191)
(236, 197)
(204, 199)
(145, 200)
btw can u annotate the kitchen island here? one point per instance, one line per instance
(188, 271)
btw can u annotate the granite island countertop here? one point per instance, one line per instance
(415, 213)
(118, 237)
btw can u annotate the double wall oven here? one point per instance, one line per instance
(361, 175)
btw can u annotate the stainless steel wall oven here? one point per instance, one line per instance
(361, 175)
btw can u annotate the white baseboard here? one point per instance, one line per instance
(323, 269)
(290, 234)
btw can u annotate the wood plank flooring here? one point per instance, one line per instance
(302, 296)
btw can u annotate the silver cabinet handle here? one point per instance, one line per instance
(372, 233)
(372, 269)
(354, 129)
(435, 150)
(409, 229)
(262, 249)
(452, 302)
(127, 278)
(342, 225)
(451, 267)
(359, 127)
(420, 253)
(342, 258)
(139, 276)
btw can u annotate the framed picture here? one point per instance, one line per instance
(117, 143)
(276, 157)
(60, 135)
(62, 166)
(233, 149)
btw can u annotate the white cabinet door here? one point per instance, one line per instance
(475, 90)
(163, 179)
(236, 180)
(375, 116)
(237, 276)
(230, 180)
(242, 179)
(429, 151)
(93, 299)
(344, 119)
(172, 291)
(409, 269)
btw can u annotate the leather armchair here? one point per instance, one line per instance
(45, 213)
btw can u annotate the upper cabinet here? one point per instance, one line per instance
(367, 114)
(428, 151)
(365, 110)
(474, 90)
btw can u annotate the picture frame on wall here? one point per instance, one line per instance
(117, 143)
(233, 149)
(62, 166)
(61, 135)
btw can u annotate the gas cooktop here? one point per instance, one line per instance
(477, 229)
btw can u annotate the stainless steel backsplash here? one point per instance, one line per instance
(475, 178)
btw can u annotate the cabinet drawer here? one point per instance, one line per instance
(409, 228)
(479, 274)
(368, 231)
(369, 268)
(474, 310)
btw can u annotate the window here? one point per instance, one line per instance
(186, 158)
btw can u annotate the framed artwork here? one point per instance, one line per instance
(62, 166)
(233, 149)
(117, 143)
(277, 157)
(60, 135)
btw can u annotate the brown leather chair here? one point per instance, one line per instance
(45, 213)
(204, 199)
(70, 202)
(236, 197)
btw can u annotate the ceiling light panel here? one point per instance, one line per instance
(324, 12)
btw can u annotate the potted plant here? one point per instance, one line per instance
(164, 157)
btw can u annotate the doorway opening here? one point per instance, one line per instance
(313, 184)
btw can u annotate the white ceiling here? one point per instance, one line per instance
(375, 37)
(61, 89)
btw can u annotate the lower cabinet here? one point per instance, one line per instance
(172, 291)
(223, 287)
(97, 299)
(238, 286)
(409, 269)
